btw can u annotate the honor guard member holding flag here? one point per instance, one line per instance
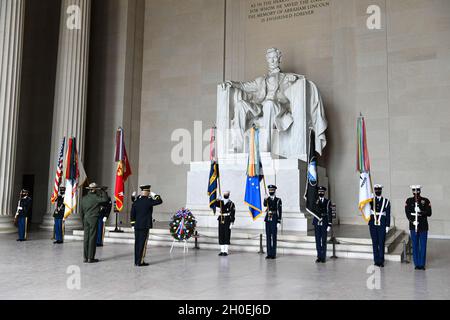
(105, 211)
(322, 224)
(417, 210)
(273, 221)
(58, 215)
(22, 214)
(142, 222)
(226, 221)
(90, 211)
(379, 224)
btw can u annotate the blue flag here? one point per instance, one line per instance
(254, 176)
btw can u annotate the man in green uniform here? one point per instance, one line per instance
(90, 211)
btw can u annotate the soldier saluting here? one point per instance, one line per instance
(142, 222)
(418, 209)
(226, 220)
(273, 221)
(58, 215)
(379, 224)
(90, 211)
(322, 224)
(22, 214)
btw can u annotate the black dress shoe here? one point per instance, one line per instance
(382, 265)
(268, 257)
(221, 254)
(318, 260)
(323, 261)
(99, 245)
(225, 254)
(93, 260)
(423, 268)
(417, 268)
(273, 257)
(85, 260)
(144, 264)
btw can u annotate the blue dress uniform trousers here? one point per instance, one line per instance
(140, 245)
(419, 247)
(321, 241)
(271, 238)
(59, 230)
(22, 227)
(100, 231)
(378, 235)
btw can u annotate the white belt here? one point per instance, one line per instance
(225, 214)
(383, 214)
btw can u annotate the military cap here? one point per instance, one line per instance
(321, 188)
(416, 187)
(378, 186)
(145, 187)
(272, 187)
(93, 186)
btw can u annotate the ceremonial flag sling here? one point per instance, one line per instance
(254, 176)
(214, 175)
(59, 172)
(312, 181)
(123, 169)
(363, 166)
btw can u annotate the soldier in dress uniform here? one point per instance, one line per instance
(273, 221)
(322, 224)
(58, 215)
(23, 214)
(90, 211)
(105, 211)
(418, 209)
(379, 224)
(142, 222)
(226, 221)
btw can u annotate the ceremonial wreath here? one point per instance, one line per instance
(182, 225)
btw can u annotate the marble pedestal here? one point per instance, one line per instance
(289, 176)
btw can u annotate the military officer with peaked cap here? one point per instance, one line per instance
(322, 224)
(23, 214)
(272, 220)
(142, 222)
(58, 215)
(418, 209)
(226, 220)
(90, 211)
(379, 224)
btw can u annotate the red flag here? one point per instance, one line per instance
(123, 169)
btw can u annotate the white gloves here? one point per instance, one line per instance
(279, 225)
(328, 229)
(231, 226)
(20, 208)
(104, 219)
(152, 194)
(387, 229)
(134, 194)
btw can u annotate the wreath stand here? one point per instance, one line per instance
(185, 246)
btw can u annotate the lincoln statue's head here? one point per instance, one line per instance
(273, 57)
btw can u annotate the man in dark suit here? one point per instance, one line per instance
(142, 222)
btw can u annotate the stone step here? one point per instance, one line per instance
(355, 248)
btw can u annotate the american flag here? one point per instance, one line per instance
(59, 171)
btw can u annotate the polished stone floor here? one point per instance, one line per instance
(37, 269)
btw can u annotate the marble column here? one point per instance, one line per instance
(11, 41)
(69, 113)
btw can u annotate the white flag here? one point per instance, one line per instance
(70, 198)
(365, 195)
